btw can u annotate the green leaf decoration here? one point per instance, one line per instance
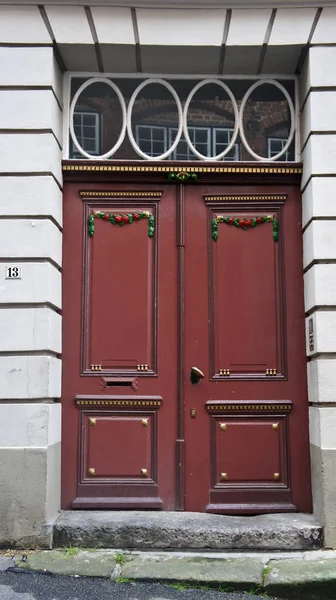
(182, 177)
(121, 220)
(252, 222)
(214, 228)
(275, 229)
(91, 225)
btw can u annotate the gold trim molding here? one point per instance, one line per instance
(251, 198)
(123, 403)
(247, 407)
(190, 169)
(121, 194)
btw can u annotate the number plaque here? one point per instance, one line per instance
(13, 272)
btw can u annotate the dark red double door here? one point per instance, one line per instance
(196, 276)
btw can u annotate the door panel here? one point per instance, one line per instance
(121, 291)
(244, 328)
(119, 326)
(234, 438)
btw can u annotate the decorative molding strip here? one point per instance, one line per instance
(251, 198)
(134, 194)
(128, 403)
(229, 407)
(168, 169)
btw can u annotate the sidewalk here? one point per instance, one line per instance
(309, 575)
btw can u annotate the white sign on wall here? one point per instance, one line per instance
(13, 272)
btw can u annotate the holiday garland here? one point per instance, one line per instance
(244, 224)
(183, 177)
(121, 220)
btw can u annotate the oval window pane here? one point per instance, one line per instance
(211, 121)
(98, 120)
(267, 123)
(154, 120)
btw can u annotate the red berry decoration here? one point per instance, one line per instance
(121, 220)
(244, 224)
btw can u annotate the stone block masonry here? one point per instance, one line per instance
(318, 143)
(31, 237)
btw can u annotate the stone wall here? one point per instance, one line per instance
(30, 236)
(318, 101)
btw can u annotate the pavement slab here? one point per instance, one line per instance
(301, 579)
(70, 561)
(308, 575)
(234, 572)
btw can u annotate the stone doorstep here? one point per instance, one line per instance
(305, 575)
(155, 530)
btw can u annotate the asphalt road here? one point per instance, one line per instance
(39, 586)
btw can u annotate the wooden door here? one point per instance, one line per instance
(246, 440)
(119, 341)
(159, 278)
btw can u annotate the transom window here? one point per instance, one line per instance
(182, 119)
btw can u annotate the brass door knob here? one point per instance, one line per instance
(196, 375)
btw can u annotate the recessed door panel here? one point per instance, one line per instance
(248, 450)
(121, 290)
(245, 294)
(118, 447)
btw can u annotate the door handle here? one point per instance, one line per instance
(196, 375)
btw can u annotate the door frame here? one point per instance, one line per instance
(161, 172)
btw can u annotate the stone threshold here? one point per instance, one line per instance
(152, 530)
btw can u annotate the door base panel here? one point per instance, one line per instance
(123, 503)
(250, 509)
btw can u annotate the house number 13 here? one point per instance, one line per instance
(13, 272)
